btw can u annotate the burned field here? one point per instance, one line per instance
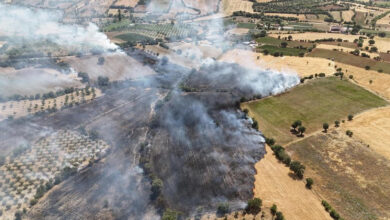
(171, 146)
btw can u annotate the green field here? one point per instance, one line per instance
(350, 59)
(286, 51)
(246, 25)
(315, 102)
(276, 42)
(132, 37)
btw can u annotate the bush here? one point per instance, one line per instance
(170, 215)
(326, 205)
(254, 206)
(349, 133)
(350, 117)
(270, 141)
(336, 124)
(279, 216)
(297, 168)
(255, 125)
(321, 75)
(223, 209)
(273, 209)
(367, 67)
(309, 183)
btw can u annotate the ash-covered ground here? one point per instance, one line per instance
(180, 126)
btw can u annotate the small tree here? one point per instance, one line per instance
(297, 168)
(283, 44)
(290, 37)
(301, 130)
(279, 216)
(371, 42)
(296, 124)
(309, 183)
(349, 133)
(325, 126)
(350, 117)
(336, 124)
(254, 206)
(274, 209)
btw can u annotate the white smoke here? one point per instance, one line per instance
(38, 24)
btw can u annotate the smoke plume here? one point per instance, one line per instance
(39, 25)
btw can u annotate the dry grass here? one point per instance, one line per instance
(116, 67)
(230, 6)
(315, 102)
(303, 66)
(317, 36)
(127, 3)
(274, 185)
(353, 178)
(23, 108)
(343, 49)
(373, 127)
(380, 81)
(347, 15)
(301, 17)
(383, 44)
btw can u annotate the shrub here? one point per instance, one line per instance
(279, 216)
(326, 205)
(274, 209)
(254, 206)
(255, 124)
(270, 141)
(336, 124)
(350, 117)
(349, 133)
(170, 215)
(325, 126)
(367, 67)
(350, 76)
(297, 168)
(309, 183)
(321, 75)
(223, 209)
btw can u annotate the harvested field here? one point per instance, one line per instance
(380, 81)
(347, 15)
(205, 6)
(30, 81)
(303, 66)
(21, 176)
(317, 36)
(126, 3)
(351, 59)
(18, 109)
(116, 67)
(372, 127)
(350, 45)
(343, 49)
(383, 44)
(352, 177)
(230, 6)
(315, 102)
(301, 17)
(336, 15)
(274, 186)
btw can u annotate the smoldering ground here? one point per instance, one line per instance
(193, 136)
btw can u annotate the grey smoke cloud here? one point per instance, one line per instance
(40, 24)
